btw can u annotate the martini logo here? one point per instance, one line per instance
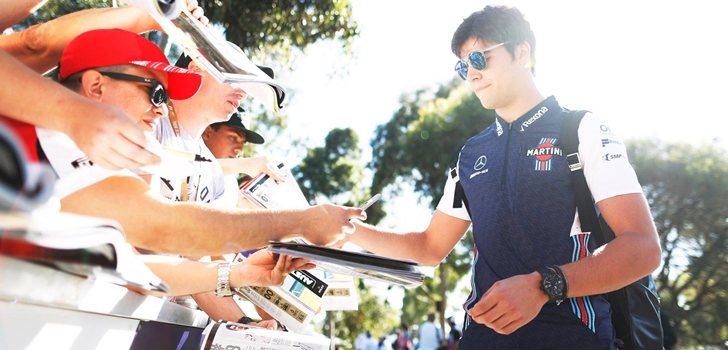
(543, 153)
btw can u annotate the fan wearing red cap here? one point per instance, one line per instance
(122, 69)
(113, 47)
(151, 222)
(132, 66)
(110, 139)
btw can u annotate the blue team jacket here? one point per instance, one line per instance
(518, 188)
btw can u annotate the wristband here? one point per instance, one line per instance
(558, 270)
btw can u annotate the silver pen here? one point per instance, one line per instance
(371, 201)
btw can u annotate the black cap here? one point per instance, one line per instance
(236, 122)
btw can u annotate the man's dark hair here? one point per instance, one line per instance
(496, 24)
(216, 126)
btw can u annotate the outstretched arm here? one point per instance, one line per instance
(186, 277)
(197, 229)
(40, 46)
(15, 11)
(427, 247)
(109, 138)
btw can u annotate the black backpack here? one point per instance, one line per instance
(636, 307)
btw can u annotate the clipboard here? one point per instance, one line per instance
(358, 264)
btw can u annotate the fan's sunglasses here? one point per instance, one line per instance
(157, 92)
(476, 59)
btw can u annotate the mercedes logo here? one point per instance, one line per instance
(480, 163)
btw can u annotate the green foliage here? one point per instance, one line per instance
(333, 169)
(271, 126)
(422, 138)
(57, 8)
(418, 145)
(687, 189)
(254, 25)
(373, 315)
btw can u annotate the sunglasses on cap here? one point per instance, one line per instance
(157, 93)
(476, 59)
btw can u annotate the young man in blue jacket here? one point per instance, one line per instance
(538, 280)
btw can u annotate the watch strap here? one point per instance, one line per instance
(548, 275)
(223, 280)
(565, 290)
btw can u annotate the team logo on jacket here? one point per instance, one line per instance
(543, 153)
(480, 163)
(479, 166)
(534, 118)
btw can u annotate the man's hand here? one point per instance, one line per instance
(108, 137)
(263, 268)
(510, 303)
(267, 324)
(197, 12)
(325, 224)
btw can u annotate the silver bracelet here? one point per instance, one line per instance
(223, 280)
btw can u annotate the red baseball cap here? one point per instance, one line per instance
(111, 47)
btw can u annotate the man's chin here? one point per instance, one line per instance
(486, 103)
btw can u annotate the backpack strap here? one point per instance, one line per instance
(459, 198)
(582, 194)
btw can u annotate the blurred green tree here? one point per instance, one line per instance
(687, 189)
(252, 25)
(332, 171)
(258, 25)
(422, 138)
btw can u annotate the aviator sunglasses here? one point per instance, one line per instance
(157, 93)
(476, 59)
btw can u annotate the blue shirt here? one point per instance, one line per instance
(523, 214)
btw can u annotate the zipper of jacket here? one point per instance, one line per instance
(510, 193)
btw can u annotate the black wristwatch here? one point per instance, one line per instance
(553, 283)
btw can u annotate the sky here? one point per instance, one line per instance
(648, 68)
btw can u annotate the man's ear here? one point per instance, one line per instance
(523, 54)
(193, 66)
(92, 84)
(207, 134)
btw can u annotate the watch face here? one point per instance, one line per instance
(552, 284)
